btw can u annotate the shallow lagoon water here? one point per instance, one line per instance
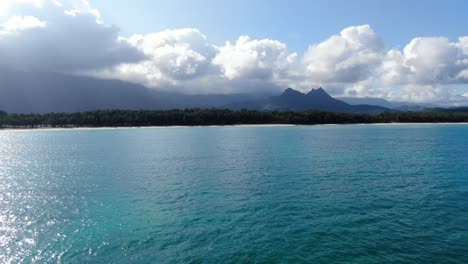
(300, 194)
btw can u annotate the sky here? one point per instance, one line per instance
(397, 50)
(297, 22)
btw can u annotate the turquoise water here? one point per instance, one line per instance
(306, 194)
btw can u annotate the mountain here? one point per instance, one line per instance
(411, 108)
(462, 109)
(38, 92)
(316, 99)
(367, 101)
(34, 92)
(396, 105)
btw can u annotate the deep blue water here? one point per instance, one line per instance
(305, 194)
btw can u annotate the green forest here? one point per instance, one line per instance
(203, 117)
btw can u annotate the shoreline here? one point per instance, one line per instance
(214, 126)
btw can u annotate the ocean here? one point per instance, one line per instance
(285, 194)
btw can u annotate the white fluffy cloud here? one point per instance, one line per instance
(252, 59)
(425, 70)
(19, 23)
(182, 58)
(50, 40)
(348, 57)
(358, 60)
(434, 60)
(173, 56)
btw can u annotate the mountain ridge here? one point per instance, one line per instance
(315, 99)
(36, 92)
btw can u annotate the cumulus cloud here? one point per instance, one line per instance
(183, 58)
(434, 60)
(425, 70)
(253, 59)
(358, 60)
(60, 42)
(348, 57)
(173, 56)
(19, 23)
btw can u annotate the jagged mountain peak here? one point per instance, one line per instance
(315, 99)
(314, 92)
(318, 92)
(291, 92)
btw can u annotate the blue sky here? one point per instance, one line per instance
(296, 22)
(397, 50)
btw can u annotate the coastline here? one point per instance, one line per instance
(138, 127)
(214, 126)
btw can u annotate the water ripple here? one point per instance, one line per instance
(319, 194)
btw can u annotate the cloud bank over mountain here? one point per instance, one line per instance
(70, 37)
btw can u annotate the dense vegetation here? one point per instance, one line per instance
(200, 117)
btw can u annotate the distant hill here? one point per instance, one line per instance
(367, 101)
(36, 92)
(403, 106)
(316, 99)
(411, 108)
(463, 109)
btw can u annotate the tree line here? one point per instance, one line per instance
(203, 117)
